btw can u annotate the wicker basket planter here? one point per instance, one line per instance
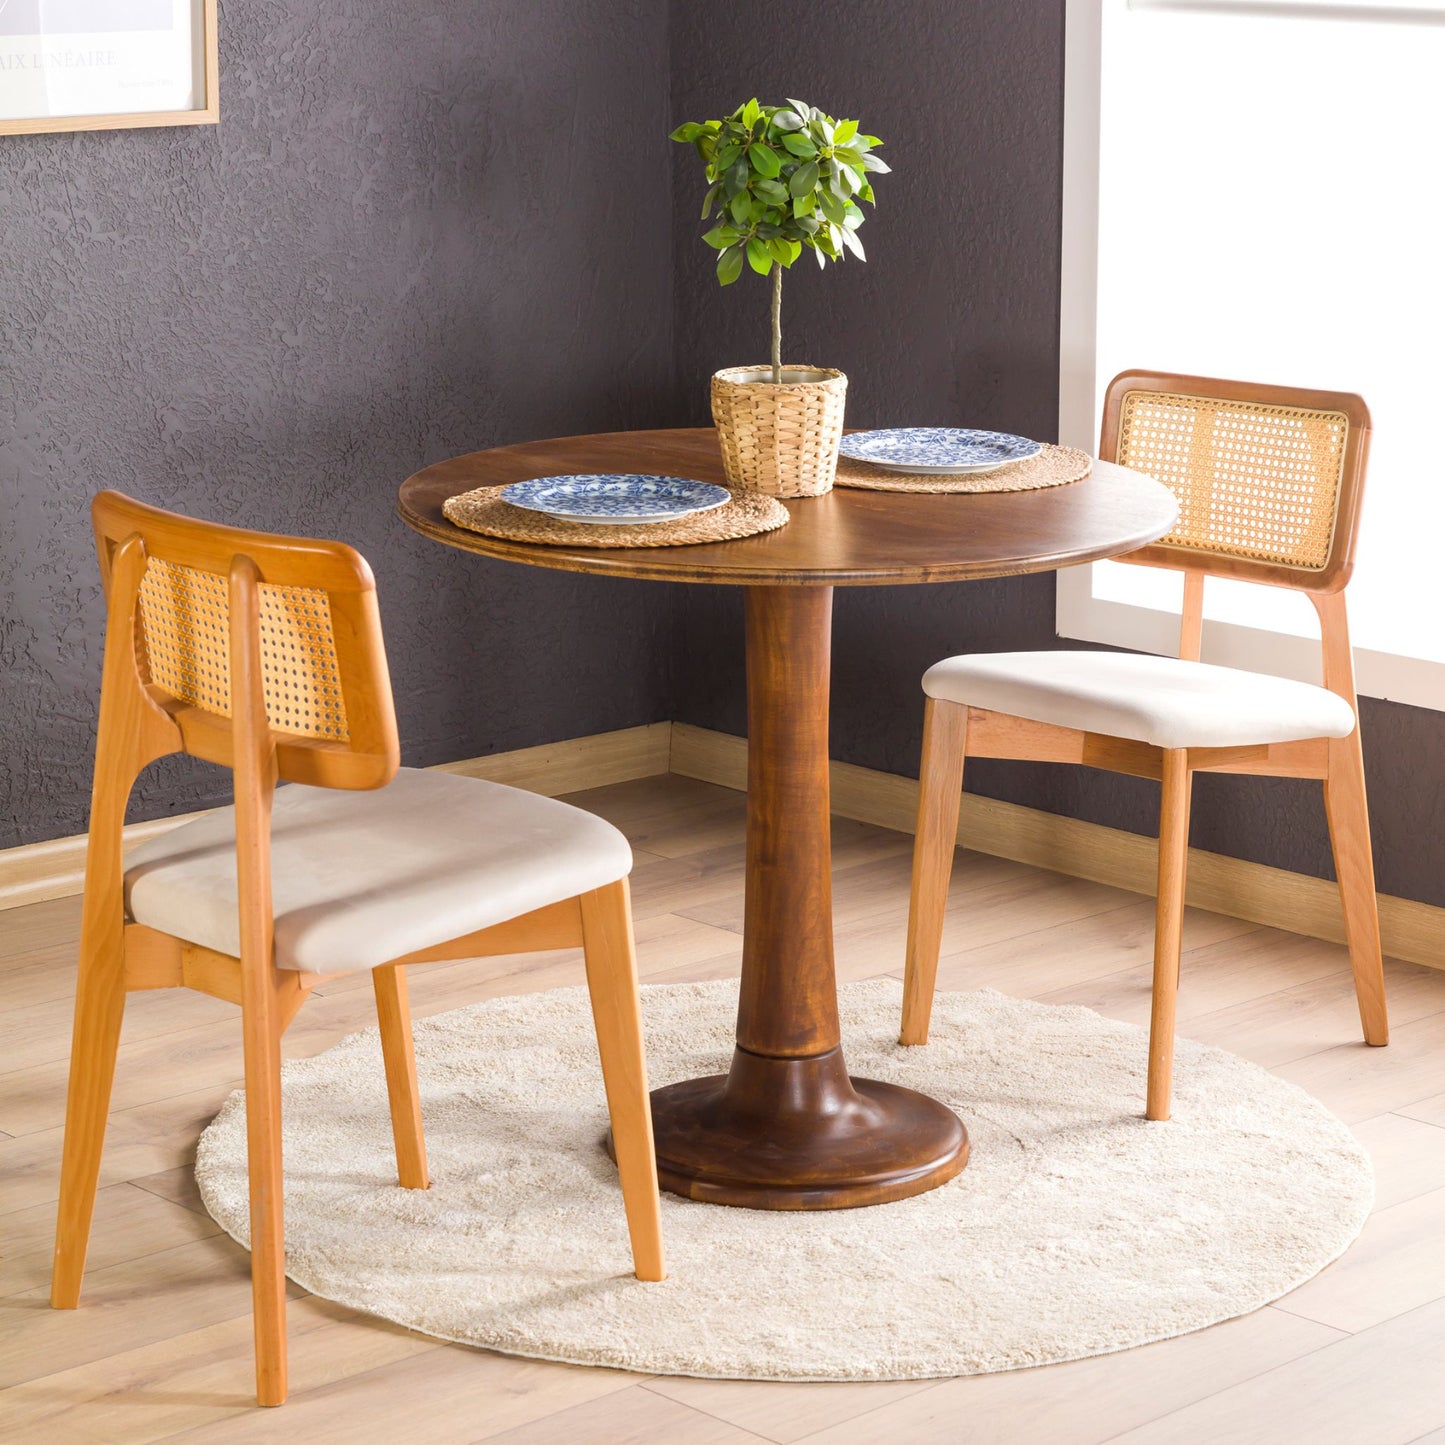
(781, 440)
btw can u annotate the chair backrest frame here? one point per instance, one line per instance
(362, 751)
(141, 722)
(1333, 571)
(1324, 584)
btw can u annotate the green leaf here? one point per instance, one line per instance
(725, 155)
(851, 241)
(788, 120)
(740, 208)
(871, 140)
(688, 132)
(799, 145)
(818, 252)
(774, 192)
(759, 257)
(709, 198)
(845, 132)
(833, 207)
(807, 224)
(721, 237)
(823, 128)
(872, 163)
(865, 192)
(730, 266)
(751, 111)
(854, 217)
(803, 109)
(764, 160)
(780, 251)
(804, 179)
(804, 205)
(736, 178)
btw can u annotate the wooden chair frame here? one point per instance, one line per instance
(953, 731)
(139, 723)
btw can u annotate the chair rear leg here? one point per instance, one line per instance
(99, 1006)
(940, 785)
(393, 1015)
(612, 981)
(262, 1043)
(1349, 819)
(1168, 927)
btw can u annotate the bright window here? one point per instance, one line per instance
(1269, 186)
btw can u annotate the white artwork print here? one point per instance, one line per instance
(99, 57)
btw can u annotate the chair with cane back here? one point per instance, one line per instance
(264, 654)
(1268, 481)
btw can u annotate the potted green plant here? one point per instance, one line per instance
(781, 180)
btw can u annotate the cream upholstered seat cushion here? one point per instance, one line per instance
(1160, 700)
(360, 878)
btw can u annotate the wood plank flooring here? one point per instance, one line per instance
(160, 1348)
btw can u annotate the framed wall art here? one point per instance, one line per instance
(106, 64)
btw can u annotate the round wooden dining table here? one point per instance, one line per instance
(786, 1127)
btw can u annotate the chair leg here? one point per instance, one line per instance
(940, 785)
(1349, 820)
(99, 1006)
(262, 1046)
(612, 981)
(393, 1015)
(1168, 927)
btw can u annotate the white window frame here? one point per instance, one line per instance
(1079, 614)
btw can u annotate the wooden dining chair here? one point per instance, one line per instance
(264, 654)
(1268, 481)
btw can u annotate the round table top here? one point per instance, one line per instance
(846, 538)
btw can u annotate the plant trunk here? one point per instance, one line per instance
(777, 324)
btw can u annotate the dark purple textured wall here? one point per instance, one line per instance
(954, 321)
(416, 231)
(416, 234)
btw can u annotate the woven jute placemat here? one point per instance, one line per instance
(1053, 467)
(483, 510)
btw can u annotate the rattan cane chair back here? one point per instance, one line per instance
(323, 667)
(1268, 478)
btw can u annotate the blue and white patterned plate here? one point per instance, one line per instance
(614, 499)
(938, 449)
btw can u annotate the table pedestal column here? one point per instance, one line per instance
(785, 1127)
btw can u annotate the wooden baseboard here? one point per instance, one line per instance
(1293, 901)
(56, 869)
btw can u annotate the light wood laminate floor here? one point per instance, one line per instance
(161, 1346)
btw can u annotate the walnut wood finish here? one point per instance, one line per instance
(953, 728)
(786, 1128)
(140, 721)
(846, 538)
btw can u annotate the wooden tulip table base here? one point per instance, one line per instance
(785, 1127)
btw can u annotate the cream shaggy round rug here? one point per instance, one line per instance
(1077, 1228)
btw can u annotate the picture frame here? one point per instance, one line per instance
(69, 65)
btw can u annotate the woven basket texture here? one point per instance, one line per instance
(780, 440)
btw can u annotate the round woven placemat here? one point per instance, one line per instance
(483, 510)
(1053, 467)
